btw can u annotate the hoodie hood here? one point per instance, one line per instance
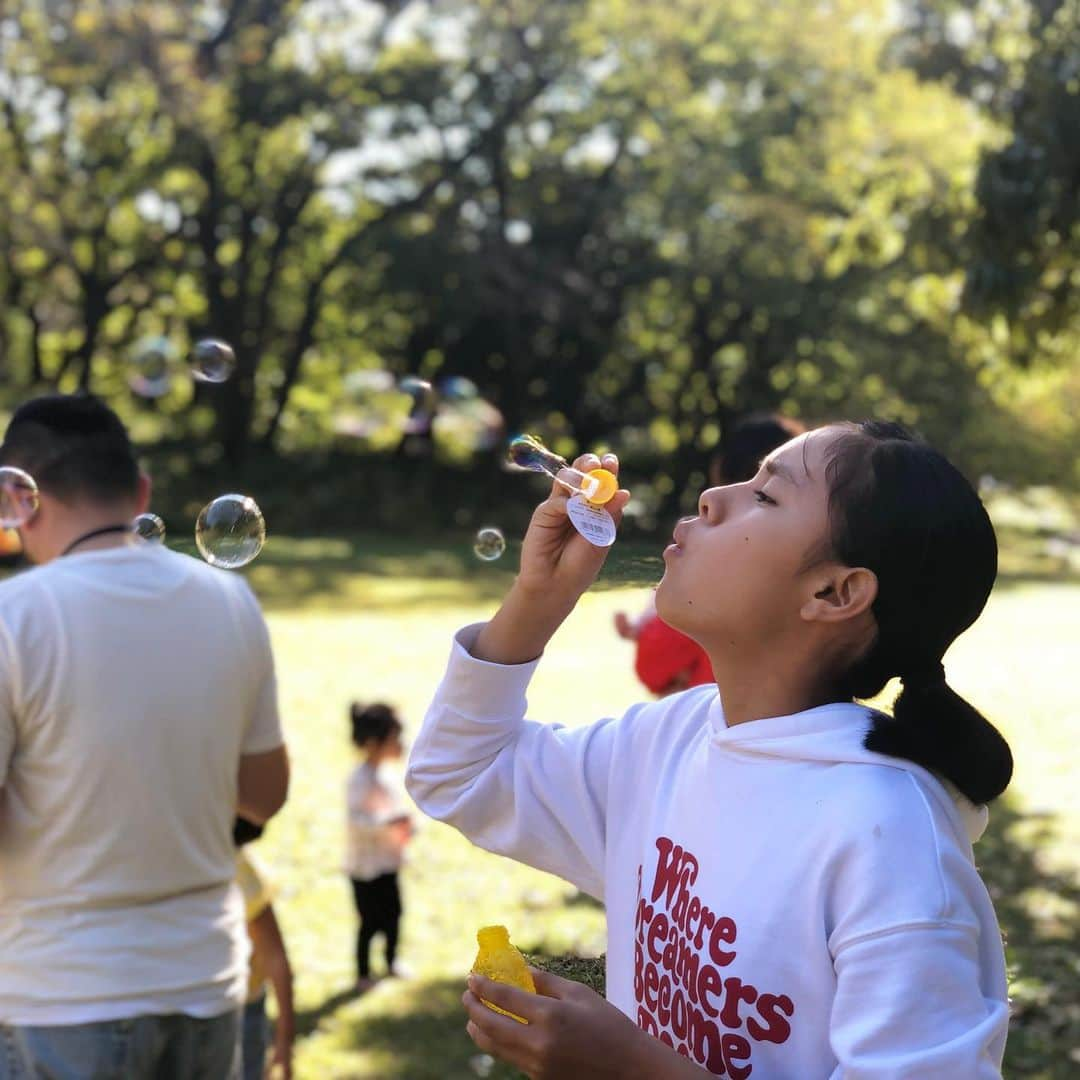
(834, 734)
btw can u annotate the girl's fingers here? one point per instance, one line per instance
(586, 463)
(519, 1002)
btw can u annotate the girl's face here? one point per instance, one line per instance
(738, 572)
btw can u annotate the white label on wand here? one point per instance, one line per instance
(593, 522)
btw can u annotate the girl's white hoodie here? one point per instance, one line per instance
(781, 902)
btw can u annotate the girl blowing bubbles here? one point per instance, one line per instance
(788, 875)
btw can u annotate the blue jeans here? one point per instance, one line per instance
(143, 1048)
(256, 1038)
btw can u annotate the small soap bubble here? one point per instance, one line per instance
(458, 388)
(19, 497)
(489, 544)
(482, 1064)
(230, 531)
(152, 366)
(149, 527)
(372, 407)
(422, 397)
(212, 360)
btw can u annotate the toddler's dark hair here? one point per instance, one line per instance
(900, 509)
(373, 723)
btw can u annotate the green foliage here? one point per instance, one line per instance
(626, 222)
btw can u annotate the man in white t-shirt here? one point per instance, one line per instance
(138, 716)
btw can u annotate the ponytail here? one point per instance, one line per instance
(936, 728)
(900, 509)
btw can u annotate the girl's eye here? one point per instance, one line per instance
(761, 497)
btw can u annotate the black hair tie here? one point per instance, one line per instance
(929, 673)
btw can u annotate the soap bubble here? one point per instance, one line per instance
(458, 388)
(230, 531)
(466, 426)
(372, 407)
(421, 396)
(527, 452)
(149, 527)
(482, 1064)
(153, 364)
(212, 360)
(19, 497)
(489, 544)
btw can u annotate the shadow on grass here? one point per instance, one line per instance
(418, 1033)
(376, 572)
(1039, 911)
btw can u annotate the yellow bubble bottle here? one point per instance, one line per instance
(499, 961)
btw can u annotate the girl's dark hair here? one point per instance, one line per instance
(373, 723)
(900, 509)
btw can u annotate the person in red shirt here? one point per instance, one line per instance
(665, 660)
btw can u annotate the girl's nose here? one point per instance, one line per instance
(711, 505)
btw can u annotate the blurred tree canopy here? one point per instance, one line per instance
(627, 222)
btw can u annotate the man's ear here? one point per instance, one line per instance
(143, 491)
(839, 594)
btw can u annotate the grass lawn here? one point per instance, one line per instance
(366, 618)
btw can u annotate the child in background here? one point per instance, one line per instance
(665, 660)
(379, 829)
(269, 964)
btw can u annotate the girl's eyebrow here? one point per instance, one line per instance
(775, 468)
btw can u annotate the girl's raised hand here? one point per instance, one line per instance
(557, 566)
(555, 559)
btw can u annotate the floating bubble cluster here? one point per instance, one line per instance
(489, 544)
(149, 527)
(372, 407)
(230, 531)
(19, 498)
(212, 361)
(152, 366)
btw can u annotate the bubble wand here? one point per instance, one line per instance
(590, 491)
(598, 486)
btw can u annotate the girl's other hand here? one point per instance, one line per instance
(571, 1030)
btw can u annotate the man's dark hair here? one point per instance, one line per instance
(74, 446)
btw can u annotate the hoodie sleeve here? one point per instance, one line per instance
(536, 793)
(908, 1006)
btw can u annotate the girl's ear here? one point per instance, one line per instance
(843, 593)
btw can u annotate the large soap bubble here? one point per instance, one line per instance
(230, 531)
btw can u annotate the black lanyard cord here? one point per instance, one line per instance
(93, 534)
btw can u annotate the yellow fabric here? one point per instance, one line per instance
(257, 897)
